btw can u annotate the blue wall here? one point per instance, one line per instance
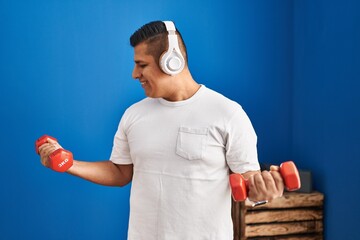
(65, 70)
(326, 112)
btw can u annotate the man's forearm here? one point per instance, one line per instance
(103, 172)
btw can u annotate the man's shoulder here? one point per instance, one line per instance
(142, 103)
(139, 107)
(219, 99)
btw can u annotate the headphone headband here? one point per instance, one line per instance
(169, 26)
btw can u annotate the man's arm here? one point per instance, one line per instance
(103, 172)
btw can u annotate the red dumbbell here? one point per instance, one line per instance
(60, 160)
(288, 171)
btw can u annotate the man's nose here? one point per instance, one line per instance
(136, 73)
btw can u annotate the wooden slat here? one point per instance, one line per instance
(275, 229)
(288, 215)
(293, 200)
(315, 236)
(236, 218)
(242, 219)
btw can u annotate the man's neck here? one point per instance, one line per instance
(185, 87)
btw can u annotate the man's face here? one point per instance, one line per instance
(155, 83)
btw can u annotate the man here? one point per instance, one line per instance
(177, 147)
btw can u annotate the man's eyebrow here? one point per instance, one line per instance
(138, 61)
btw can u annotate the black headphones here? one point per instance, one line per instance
(172, 61)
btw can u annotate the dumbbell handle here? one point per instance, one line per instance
(60, 160)
(288, 171)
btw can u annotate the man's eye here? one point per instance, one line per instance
(142, 65)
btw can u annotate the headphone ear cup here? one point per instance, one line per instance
(172, 63)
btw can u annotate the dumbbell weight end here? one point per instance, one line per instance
(290, 175)
(61, 160)
(43, 139)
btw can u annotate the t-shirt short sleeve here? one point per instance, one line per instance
(241, 149)
(121, 152)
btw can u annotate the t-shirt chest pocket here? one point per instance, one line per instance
(191, 142)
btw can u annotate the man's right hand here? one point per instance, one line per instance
(46, 149)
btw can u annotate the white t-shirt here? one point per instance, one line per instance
(181, 153)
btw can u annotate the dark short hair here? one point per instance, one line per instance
(154, 34)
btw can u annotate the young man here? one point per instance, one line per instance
(177, 147)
